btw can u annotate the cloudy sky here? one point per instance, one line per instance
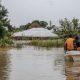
(24, 11)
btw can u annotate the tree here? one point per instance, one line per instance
(4, 22)
(28, 26)
(76, 26)
(25, 27)
(43, 24)
(68, 27)
(2, 32)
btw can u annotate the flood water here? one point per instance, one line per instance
(31, 63)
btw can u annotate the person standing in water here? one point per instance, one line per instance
(69, 43)
(69, 46)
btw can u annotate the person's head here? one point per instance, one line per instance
(70, 36)
(76, 38)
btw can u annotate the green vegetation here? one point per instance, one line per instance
(47, 43)
(5, 42)
(5, 28)
(43, 24)
(68, 27)
(18, 46)
(4, 21)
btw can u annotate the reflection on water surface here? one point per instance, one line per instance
(32, 64)
(4, 66)
(72, 70)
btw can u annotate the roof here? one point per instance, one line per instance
(35, 32)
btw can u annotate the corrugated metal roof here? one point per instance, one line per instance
(35, 32)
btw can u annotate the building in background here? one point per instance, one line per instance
(34, 33)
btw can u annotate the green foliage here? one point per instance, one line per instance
(4, 22)
(5, 28)
(2, 32)
(3, 12)
(43, 24)
(5, 42)
(47, 43)
(68, 27)
(19, 46)
(8, 34)
(25, 27)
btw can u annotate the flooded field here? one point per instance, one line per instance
(32, 63)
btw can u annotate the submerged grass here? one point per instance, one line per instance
(18, 46)
(47, 43)
(6, 42)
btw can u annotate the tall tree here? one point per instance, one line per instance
(4, 21)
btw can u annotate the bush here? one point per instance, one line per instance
(5, 42)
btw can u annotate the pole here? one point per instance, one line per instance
(50, 23)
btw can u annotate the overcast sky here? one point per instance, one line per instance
(24, 11)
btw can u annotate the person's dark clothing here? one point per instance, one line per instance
(78, 43)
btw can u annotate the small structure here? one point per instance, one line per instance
(40, 33)
(35, 24)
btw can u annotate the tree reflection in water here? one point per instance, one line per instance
(4, 66)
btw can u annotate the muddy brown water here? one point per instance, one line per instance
(31, 63)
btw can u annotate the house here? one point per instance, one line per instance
(34, 33)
